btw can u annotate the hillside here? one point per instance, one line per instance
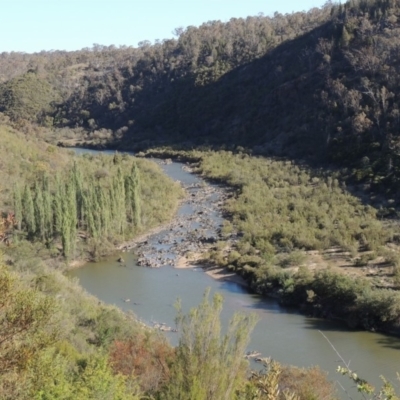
(320, 86)
(118, 88)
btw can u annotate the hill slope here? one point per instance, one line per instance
(320, 85)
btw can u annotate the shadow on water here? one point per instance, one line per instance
(391, 342)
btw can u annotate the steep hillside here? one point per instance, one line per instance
(107, 87)
(320, 85)
(328, 95)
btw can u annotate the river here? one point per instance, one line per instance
(281, 333)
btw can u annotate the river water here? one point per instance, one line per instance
(281, 333)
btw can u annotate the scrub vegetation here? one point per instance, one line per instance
(299, 235)
(297, 113)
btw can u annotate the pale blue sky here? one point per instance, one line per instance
(35, 25)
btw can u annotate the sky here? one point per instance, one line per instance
(34, 25)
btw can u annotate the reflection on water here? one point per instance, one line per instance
(280, 333)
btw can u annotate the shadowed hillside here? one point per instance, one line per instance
(320, 85)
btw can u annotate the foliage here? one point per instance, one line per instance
(26, 97)
(145, 355)
(24, 317)
(280, 209)
(90, 200)
(208, 366)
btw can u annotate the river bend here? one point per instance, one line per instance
(281, 333)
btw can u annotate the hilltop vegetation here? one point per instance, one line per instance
(232, 84)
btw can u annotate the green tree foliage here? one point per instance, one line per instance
(26, 97)
(29, 212)
(24, 315)
(281, 209)
(104, 205)
(208, 365)
(234, 82)
(17, 205)
(42, 355)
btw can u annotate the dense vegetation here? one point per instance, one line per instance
(58, 343)
(318, 87)
(232, 83)
(284, 223)
(80, 207)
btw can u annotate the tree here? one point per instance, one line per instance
(17, 202)
(136, 196)
(29, 211)
(24, 316)
(48, 208)
(208, 366)
(39, 212)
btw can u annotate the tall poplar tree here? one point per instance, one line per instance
(48, 207)
(71, 211)
(136, 200)
(77, 180)
(39, 212)
(29, 211)
(119, 192)
(58, 204)
(17, 203)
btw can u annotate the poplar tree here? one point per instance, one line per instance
(90, 224)
(29, 211)
(48, 207)
(71, 210)
(129, 194)
(105, 211)
(58, 205)
(136, 200)
(17, 203)
(93, 218)
(119, 193)
(113, 208)
(209, 366)
(66, 234)
(39, 212)
(132, 196)
(77, 180)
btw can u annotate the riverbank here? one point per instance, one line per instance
(192, 234)
(215, 272)
(340, 268)
(189, 237)
(319, 291)
(281, 333)
(112, 216)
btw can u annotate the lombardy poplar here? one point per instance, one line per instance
(39, 211)
(56, 209)
(48, 208)
(29, 211)
(57, 204)
(17, 202)
(208, 366)
(136, 196)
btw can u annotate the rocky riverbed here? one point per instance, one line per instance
(194, 231)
